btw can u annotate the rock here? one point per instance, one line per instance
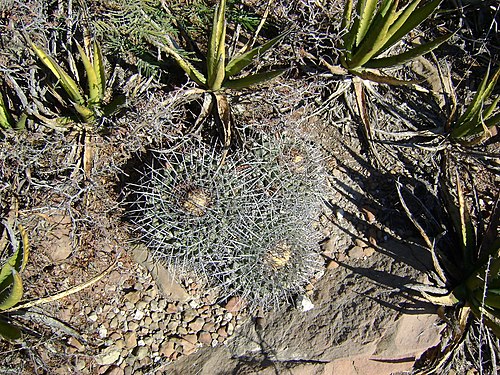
(172, 326)
(235, 304)
(204, 337)
(187, 347)
(369, 251)
(80, 364)
(167, 348)
(59, 245)
(140, 352)
(164, 280)
(120, 343)
(197, 324)
(369, 214)
(139, 314)
(75, 343)
(332, 265)
(189, 315)
(113, 323)
(304, 303)
(222, 332)
(172, 308)
(182, 331)
(329, 247)
(340, 257)
(359, 242)
(209, 327)
(130, 340)
(230, 328)
(103, 332)
(141, 305)
(133, 326)
(108, 356)
(114, 370)
(191, 338)
(133, 297)
(356, 252)
(92, 317)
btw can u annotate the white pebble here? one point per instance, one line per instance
(304, 303)
(138, 315)
(103, 332)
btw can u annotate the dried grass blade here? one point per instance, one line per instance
(63, 294)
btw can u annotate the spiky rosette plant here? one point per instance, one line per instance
(245, 226)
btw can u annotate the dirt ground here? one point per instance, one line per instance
(358, 315)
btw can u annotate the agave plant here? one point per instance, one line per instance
(373, 30)
(477, 119)
(11, 285)
(89, 106)
(466, 260)
(221, 73)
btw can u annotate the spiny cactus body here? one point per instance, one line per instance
(246, 226)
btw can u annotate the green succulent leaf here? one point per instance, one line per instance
(466, 229)
(9, 331)
(251, 80)
(216, 48)
(68, 84)
(238, 63)
(190, 70)
(5, 116)
(94, 88)
(474, 119)
(375, 39)
(11, 288)
(366, 11)
(408, 55)
(410, 18)
(100, 72)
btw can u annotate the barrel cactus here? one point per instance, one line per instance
(245, 227)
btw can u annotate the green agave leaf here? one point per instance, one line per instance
(346, 18)
(376, 36)
(366, 10)
(420, 50)
(114, 106)
(94, 94)
(5, 117)
(216, 39)
(251, 80)
(490, 317)
(492, 300)
(100, 72)
(190, 70)
(86, 113)
(476, 280)
(68, 84)
(8, 331)
(491, 109)
(350, 36)
(468, 121)
(466, 229)
(482, 93)
(409, 19)
(219, 77)
(21, 122)
(238, 63)
(11, 289)
(24, 250)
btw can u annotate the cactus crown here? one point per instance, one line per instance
(246, 227)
